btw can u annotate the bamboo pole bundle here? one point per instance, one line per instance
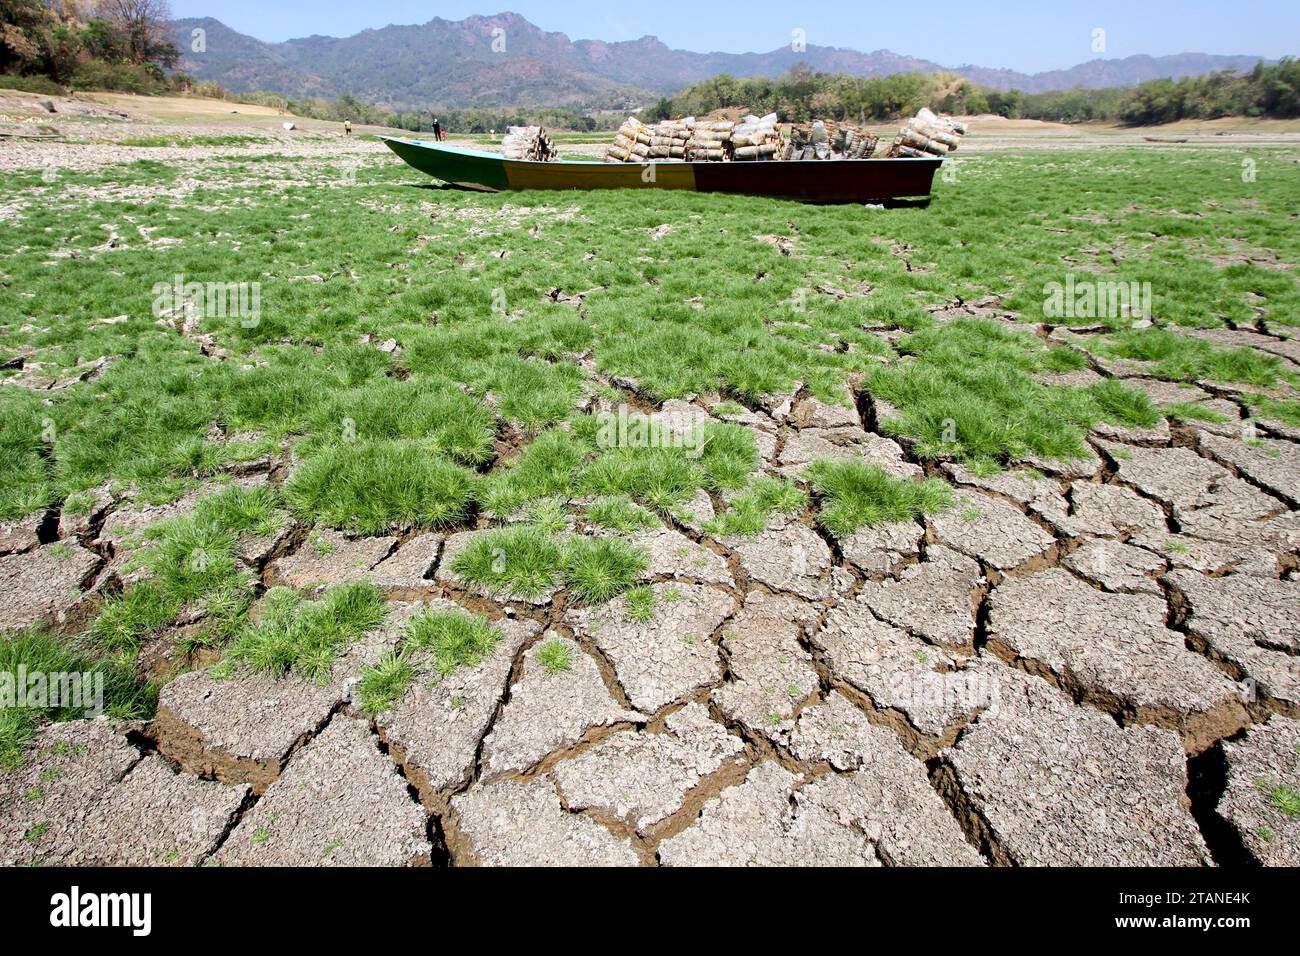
(635, 142)
(927, 134)
(948, 140)
(710, 142)
(528, 143)
(631, 142)
(910, 137)
(947, 123)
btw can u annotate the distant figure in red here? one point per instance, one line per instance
(437, 130)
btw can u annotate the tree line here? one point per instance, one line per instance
(472, 120)
(800, 95)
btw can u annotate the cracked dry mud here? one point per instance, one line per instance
(1023, 679)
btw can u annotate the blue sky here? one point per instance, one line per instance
(1019, 34)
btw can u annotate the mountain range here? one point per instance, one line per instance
(452, 63)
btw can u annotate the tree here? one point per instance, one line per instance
(660, 111)
(25, 27)
(143, 25)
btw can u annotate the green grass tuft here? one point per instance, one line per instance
(519, 560)
(1189, 359)
(374, 486)
(969, 392)
(640, 603)
(619, 513)
(856, 495)
(454, 638)
(750, 512)
(555, 656)
(383, 684)
(39, 651)
(1193, 412)
(303, 637)
(596, 569)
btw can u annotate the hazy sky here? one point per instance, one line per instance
(1028, 35)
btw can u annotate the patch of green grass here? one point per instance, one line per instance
(663, 478)
(545, 468)
(620, 513)
(1282, 797)
(1188, 359)
(253, 510)
(1113, 401)
(529, 561)
(384, 683)
(125, 621)
(374, 486)
(295, 635)
(192, 560)
(1193, 412)
(596, 569)
(445, 420)
(549, 516)
(1285, 410)
(36, 650)
(190, 141)
(855, 495)
(26, 484)
(968, 392)
(750, 512)
(519, 560)
(78, 503)
(454, 638)
(555, 656)
(640, 603)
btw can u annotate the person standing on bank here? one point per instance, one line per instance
(437, 130)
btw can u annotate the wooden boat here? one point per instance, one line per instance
(844, 180)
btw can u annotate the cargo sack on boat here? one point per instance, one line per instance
(928, 116)
(828, 139)
(528, 143)
(757, 138)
